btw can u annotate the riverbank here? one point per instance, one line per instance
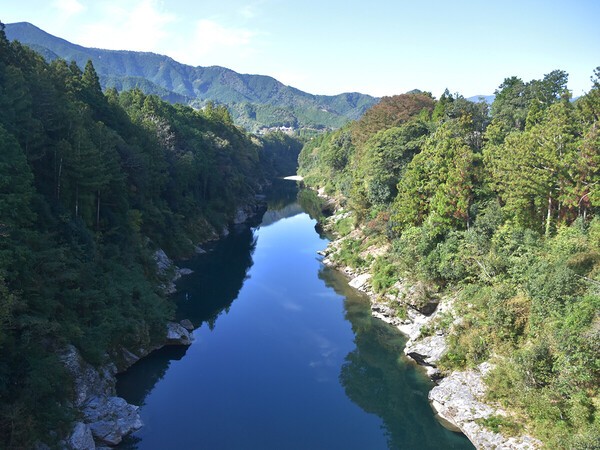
(104, 418)
(426, 317)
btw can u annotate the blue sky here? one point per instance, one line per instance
(377, 47)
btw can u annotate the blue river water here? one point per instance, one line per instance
(286, 355)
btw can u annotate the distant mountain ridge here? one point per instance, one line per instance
(255, 101)
(489, 99)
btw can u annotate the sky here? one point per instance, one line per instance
(376, 47)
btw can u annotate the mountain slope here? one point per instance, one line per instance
(255, 100)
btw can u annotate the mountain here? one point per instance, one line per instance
(489, 99)
(255, 101)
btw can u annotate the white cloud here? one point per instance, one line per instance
(210, 36)
(68, 8)
(138, 26)
(212, 43)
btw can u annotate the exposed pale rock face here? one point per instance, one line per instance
(88, 381)
(427, 351)
(163, 262)
(106, 417)
(81, 438)
(458, 400)
(178, 335)
(111, 418)
(360, 281)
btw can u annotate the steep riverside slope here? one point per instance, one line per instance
(458, 398)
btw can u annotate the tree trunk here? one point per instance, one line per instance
(97, 210)
(58, 179)
(76, 201)
(549, 216)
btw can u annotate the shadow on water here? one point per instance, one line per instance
(139, 380)
(378, 378)
(218, 277)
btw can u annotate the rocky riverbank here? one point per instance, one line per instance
(104, 418)
(427, 318)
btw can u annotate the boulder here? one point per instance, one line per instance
(163, 262)
(88, 381)
(81, 438)
(242, 214)
(420, 297)
(184, 271)
(360, 281)
(178, 335)
(111, 418)
(457, 401)
(427, 351)
(187, 324)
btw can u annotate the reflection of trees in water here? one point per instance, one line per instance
(139, 380)
(381, 381)
(204, 295)
(311, 203)
(217, 279)
(281, 193)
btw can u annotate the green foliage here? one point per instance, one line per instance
(254, 101)
(501, 424)
(385, 275)
(344, 226)
(279, 153)
(90, 185)
(349, 254)
(502, 211)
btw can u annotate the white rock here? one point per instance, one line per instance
(81, 438)
(458, 400)
(111, 418)
(359, 281)
(178, 335)
(163, 262)
(427, 351)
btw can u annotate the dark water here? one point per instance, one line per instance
(287, 356)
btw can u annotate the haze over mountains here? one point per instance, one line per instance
(255, 101)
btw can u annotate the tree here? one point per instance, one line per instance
(532, 170)
(438, 182)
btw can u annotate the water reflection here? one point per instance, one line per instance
(283, 369)
(202, 297)
(381, 381)
(218, 277)
(139, 380)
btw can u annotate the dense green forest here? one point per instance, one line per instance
(91, 185)
(499, 207)
(255, 101)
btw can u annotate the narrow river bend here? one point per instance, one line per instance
(286, 355)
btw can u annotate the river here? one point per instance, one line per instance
(286, 355)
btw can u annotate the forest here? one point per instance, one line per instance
(497, 206)
(92, 183)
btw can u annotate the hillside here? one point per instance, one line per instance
(255, 101)
(92, 185)
(489, 219)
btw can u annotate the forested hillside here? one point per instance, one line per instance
(499, 208)
(255, 101)
(91, 185)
